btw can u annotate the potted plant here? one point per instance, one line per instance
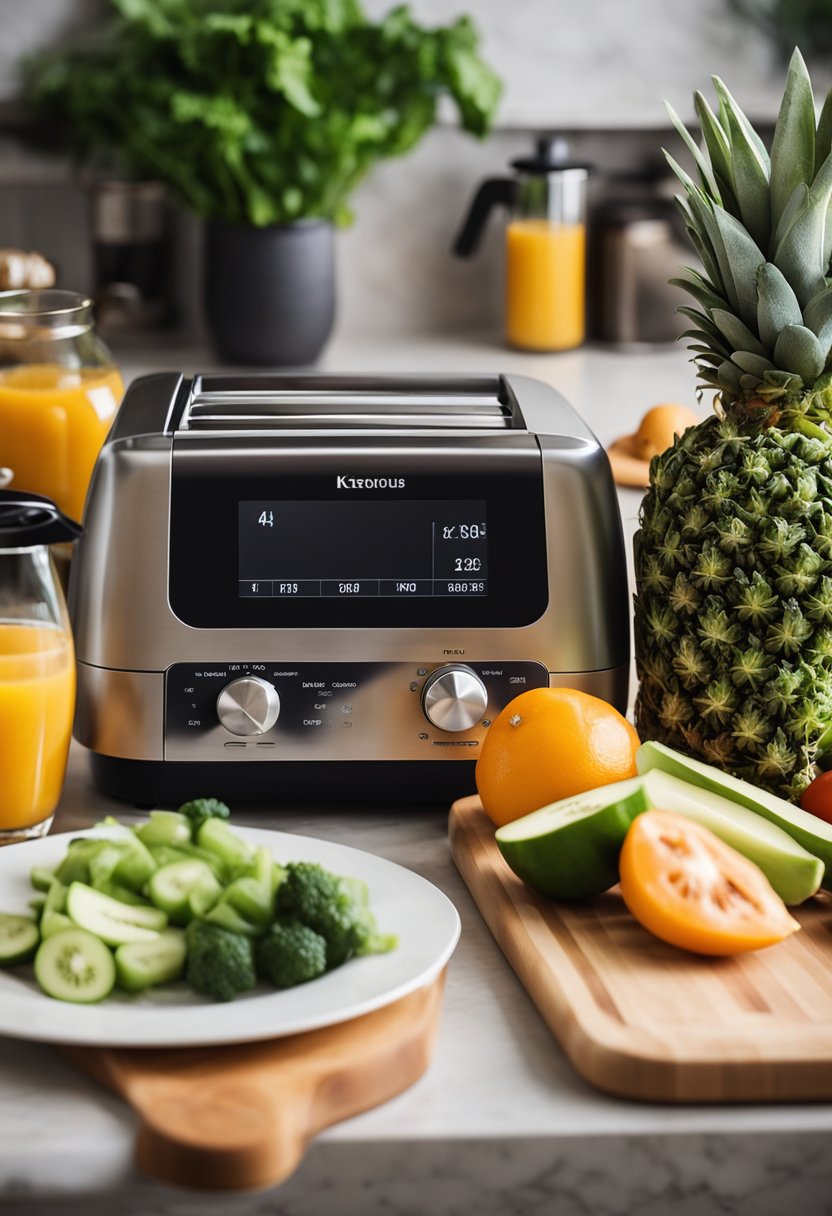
(262, 118)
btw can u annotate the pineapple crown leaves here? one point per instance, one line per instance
(761, 325)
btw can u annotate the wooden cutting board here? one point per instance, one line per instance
(640, 1019)
(241, 1117)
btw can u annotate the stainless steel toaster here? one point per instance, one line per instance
(319, 587)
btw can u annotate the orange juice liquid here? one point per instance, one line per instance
(53, 421)
(37, 699)
(545, 284)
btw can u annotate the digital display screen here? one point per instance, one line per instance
(359, 549)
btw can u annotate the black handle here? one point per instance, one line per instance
(492, 192)
(32, 519)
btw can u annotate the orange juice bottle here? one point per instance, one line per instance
(59, 392)
(545, 302)
(37, 665)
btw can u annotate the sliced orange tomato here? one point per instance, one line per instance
(690, 889)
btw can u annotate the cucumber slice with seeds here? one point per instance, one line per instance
(171, 886)
(110, 920)
(144, 964)
(74, 965)
(19, 939)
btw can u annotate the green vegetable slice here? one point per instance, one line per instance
(19, 938)
(75, 966)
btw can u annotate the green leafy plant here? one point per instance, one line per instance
(258, 111)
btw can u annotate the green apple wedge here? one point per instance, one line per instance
(812, 833)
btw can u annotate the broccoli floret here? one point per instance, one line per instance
(220, 964)
(200, 809)
(290, 954)
(336, 909)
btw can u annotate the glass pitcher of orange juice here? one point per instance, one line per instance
(59, 391)
(545, 301)
(37, 665)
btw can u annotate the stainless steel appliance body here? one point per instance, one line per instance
(308, 586)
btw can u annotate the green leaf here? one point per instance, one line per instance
(799, 351)
(749, 382)
(729, 376)
(777, 305)
(749, 176)
(743, 259)
(794, 207)
(823, 137)
(692, 282)
(727, 103)
(801, 254)
(755, 365)
(705, 172)
(719, 149)
(793, 145)
(817, 316)
(739, 336)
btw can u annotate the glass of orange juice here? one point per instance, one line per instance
(37, 665)
(59, 392)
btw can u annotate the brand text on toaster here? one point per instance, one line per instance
(369, 483)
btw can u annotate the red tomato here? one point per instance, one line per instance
(817, 797)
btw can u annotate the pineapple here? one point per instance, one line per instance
(733, 610)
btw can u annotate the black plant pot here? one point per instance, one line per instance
(270, 292)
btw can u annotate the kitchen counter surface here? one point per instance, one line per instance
(500, 1124)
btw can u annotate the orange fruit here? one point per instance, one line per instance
(548, 744)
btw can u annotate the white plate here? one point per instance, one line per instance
(426, 922)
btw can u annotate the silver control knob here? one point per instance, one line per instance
(454, 698)
(248, 706)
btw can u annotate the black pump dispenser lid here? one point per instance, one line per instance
(551, 155)
(31, 519)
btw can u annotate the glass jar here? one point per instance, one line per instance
(59, 392)
(37, 665)
(545, 298)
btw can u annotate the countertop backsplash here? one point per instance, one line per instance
(395, 270)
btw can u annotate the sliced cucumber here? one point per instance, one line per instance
(569, 850)
(136, 864)
(37, 905)
(110, 920)
(123, 894)
(170, 887)
(165, 827)
(794, 873)
(54, 922)
(809, 831)
(74, 965)
(41, 878)
(56, 898)
(75, 866)
(164, 854)
(19, 939)
(217, 837)
(144, 964)
(252, 899)
(229, 918)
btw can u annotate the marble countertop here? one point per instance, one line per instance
(500, 1124)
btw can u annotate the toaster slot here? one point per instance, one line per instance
(220, 403)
